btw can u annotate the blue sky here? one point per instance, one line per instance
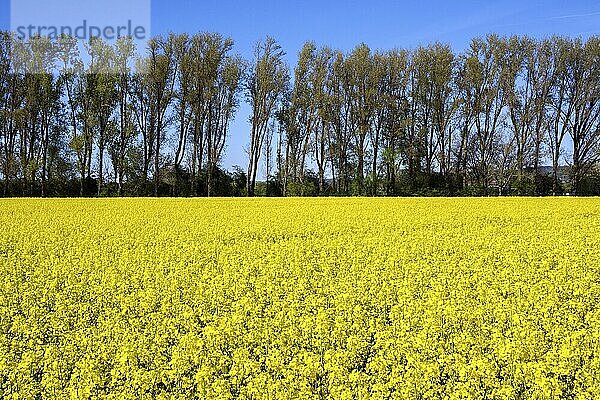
(343, 24)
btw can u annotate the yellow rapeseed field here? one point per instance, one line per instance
(300, 299)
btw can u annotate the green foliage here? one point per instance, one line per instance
(369, 122)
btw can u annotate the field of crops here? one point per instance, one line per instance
(300, 298)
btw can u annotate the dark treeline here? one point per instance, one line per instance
(511, 115)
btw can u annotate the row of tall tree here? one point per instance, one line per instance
(488, 119)
(64, 120)
(509, 115)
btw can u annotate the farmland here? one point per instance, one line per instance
(300, 298)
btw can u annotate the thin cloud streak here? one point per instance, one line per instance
(575, 16)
